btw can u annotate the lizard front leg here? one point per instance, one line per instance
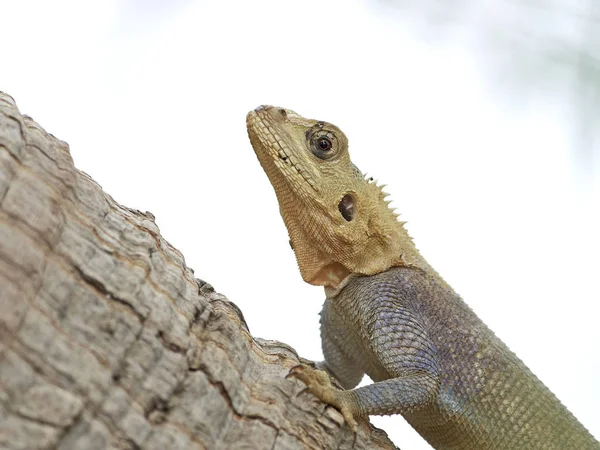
(339, 364)
(402, 356)
(394, 396)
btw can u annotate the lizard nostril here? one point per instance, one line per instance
(283, 112)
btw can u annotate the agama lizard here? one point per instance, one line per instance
(390, 315)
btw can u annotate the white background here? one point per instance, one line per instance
(152, 98)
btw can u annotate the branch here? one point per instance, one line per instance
(107, 340)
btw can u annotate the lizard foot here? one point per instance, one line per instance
(319, 384)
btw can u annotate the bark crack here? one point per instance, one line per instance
(99, 287)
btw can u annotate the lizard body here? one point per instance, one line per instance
(388, 314)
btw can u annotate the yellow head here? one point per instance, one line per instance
(338, 222)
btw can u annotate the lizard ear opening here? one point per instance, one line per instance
(346, 207)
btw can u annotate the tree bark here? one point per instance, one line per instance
(107, 340)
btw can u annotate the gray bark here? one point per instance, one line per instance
(107, 340)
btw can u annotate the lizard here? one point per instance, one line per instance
(389, 314)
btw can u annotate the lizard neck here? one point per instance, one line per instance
(411, 258)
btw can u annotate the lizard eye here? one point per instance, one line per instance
(323, 145)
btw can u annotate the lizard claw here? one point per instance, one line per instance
(319, 384)
(293, 370)
(309, 375)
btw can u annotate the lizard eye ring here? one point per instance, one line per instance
(323, 145)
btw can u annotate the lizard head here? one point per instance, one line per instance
(338, 222)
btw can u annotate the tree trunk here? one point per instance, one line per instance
(107, 340)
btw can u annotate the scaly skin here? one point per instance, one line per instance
(389, 314)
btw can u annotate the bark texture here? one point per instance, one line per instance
(107, 340)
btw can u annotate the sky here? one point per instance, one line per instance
(152, 97)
